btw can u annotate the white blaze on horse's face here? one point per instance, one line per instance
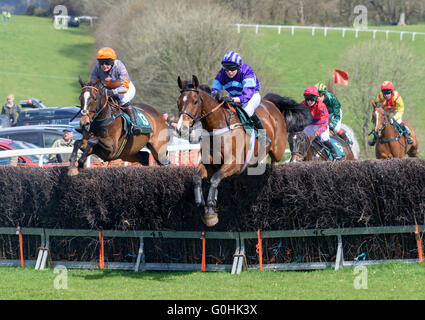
(179, 124)
(86, 97)
(376, 120)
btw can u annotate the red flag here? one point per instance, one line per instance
(341, 77)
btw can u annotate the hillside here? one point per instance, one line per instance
(43, 62)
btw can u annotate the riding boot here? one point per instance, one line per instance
(135, 129)
(373, 141)
(406, 133)
(259, 126)
(328, 144)
(344, 137)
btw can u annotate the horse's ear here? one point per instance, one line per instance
(373, 103)
(81, 81)
(195, 82)
(180, 82)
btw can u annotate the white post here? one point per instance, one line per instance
(256, 29)
(326, 31)
(239, 28)
(386, 35)
(401, 35)
(343, 32)
(292, 30)
(357, 33)
(312, 31)
(413, 36)
(278, 29)
(374, 34)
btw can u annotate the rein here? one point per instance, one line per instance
(198, 110)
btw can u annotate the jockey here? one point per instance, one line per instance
(114, 77)
(319, 127)
(334, 109)
(240, 82)
(392, 102)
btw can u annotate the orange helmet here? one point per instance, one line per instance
(106, 53)
(387, 85)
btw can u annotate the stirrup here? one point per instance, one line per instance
(409, 139)
(371, 143)
(135, 130)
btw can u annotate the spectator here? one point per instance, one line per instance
(3, 15)
(66, 141)
(9, 15)
(11, 109)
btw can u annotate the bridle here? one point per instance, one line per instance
(97, 112)
(198, 116)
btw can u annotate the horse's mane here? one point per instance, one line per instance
(297, 115)
(187, 84)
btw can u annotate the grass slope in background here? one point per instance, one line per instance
(40, 61)
(297, 61)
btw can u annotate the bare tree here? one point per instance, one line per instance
(161, 40)
(369, 64)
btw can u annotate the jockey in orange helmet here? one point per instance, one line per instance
(114, 77)
(320, 125)
(392, 102)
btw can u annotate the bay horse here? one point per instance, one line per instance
(303, 150)
(390, 143)
(104, 131)
(225, 141)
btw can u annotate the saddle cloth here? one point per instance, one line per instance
(338, 148)
(141, 120)
(247, 123)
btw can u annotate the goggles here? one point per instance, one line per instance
(322, 93)
(385, 92)
(108, 62)
(310, 97)
(230, 67)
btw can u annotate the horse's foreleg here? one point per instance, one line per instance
(210, 217)
(72, 170)
(87, 151)
(197, 183)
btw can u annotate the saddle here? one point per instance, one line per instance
(323, 150)
(141, 120)
(247, 123)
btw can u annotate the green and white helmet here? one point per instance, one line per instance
(321, 87)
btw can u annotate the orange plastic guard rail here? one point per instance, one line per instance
(419, 244)
(203, 265)
(21, 247)
(101, 251)
(260, 250)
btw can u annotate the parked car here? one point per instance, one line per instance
(74, 22)
(41, 136)
(32, 103)
(51, 115)
(32, 160)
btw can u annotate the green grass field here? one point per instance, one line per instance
(389, 281)
(40, 61)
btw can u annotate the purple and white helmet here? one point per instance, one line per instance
(232, 57)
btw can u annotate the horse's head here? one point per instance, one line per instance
(379, 118)
(189, 103)
(299, 144)
(88, 103)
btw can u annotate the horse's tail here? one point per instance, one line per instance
(297, 115)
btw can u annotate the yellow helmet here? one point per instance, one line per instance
(106, 53)
(321, 87)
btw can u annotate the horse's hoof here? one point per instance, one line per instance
(72, 172)
(210, 218)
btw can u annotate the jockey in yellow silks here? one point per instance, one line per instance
(392, 102)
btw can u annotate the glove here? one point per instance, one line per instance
(216, 95)
(110, 93)
(312, 137)
(392, 120)
(227, 99)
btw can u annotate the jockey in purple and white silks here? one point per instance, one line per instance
(240, 81)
